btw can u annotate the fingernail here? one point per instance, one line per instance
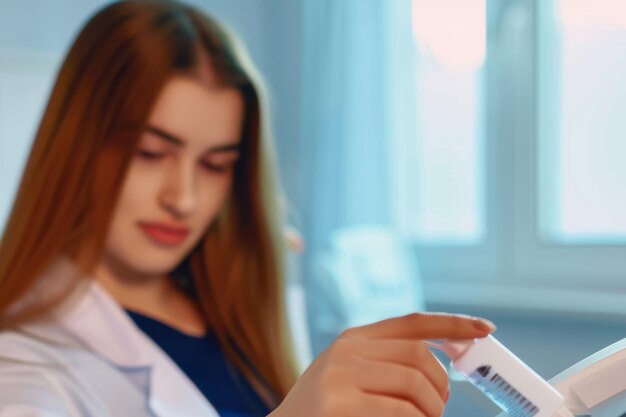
(485, 326)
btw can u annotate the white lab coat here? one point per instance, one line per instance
(93, 361)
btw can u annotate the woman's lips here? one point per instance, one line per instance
(163, 234)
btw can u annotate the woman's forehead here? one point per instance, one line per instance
(197, 113)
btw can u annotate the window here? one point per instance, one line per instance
(451, 45)
(520, 183)
(583, 100)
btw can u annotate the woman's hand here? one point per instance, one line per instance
(381, 370)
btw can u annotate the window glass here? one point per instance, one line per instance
(584, 120)
(451, 44)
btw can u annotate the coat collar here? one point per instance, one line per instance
(101, 325)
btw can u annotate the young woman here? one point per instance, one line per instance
(141, 266)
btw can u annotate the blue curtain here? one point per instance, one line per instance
(357, 109)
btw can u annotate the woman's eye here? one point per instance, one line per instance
(221, 168)
(150, 155)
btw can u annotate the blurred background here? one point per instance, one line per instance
(440, 155)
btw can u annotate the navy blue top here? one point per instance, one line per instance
(204, 362)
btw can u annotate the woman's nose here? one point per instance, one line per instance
(178, 194)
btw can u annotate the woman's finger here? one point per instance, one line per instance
(376, 405)
(424, 326)
(408, 353)
(398, 381)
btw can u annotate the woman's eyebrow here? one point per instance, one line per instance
(234, 147)
(165, 135)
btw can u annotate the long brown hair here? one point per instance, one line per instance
(107, 84)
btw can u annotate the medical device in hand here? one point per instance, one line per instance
(594, 387)
(504, 378)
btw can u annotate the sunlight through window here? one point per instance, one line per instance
(585, 193)
(451, 41)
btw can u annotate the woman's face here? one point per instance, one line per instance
(179, 177)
